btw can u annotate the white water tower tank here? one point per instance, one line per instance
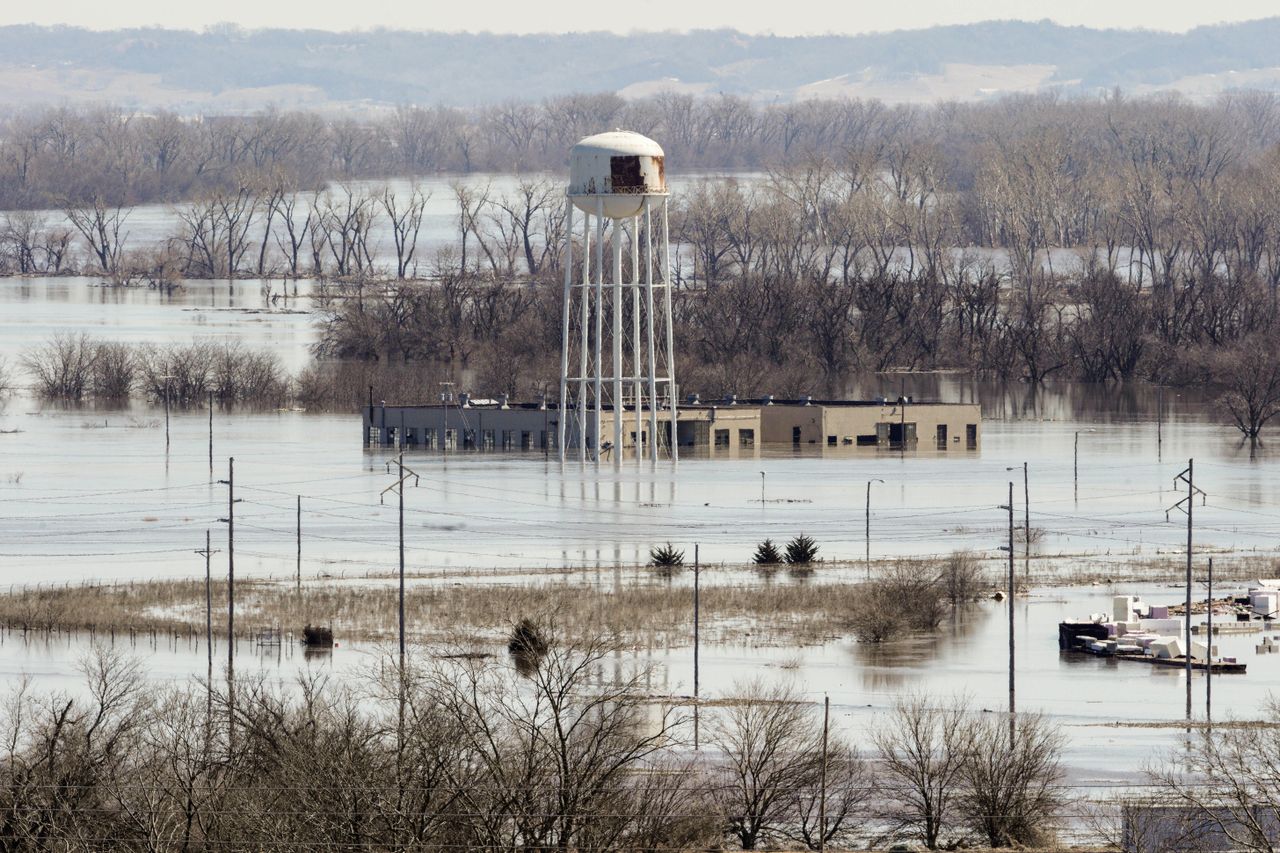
(617, 169)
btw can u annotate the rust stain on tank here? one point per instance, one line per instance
(661, 163)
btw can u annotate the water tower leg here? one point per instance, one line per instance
(672, 389)
(564, 337)
(599, 341)
(618, 368)
(637, 393)
(584, 300)
(652, 374)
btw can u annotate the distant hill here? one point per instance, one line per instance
(228, 69)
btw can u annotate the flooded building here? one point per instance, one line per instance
(730, 427)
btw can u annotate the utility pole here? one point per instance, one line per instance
(1012, 583)
(166, 415)
(230, 521)
(299, 543)
(1208, 669)
(762, 490)
(444, 432)
(697, 590)
(822, 796)
(1026, 522)
(1187, 505)
(208, 553)
(867, 530)
(403, 475)
(211, 434)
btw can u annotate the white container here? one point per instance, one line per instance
(1163, 626)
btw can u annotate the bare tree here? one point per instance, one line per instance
(1249, 373)
(922, 747)
(1012, 792)
(99, 224)
(771, 790)
(406, 222)
(63, 365)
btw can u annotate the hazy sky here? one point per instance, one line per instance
(785, 18)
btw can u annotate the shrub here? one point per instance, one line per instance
(666, 556)
(910, 596)
(527, 646)
(63, 365)
(962, 578)
(802, 550)
(114, 368)
(767, 554)
(315, 636)
(527, 639)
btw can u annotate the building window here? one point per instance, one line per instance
(542, 439)
(868, 440)
(971, 436)
(722, 438)
(746, 438)
(508, 439)
(795, 435)
(848, 439)
(468, 439)
(486, 439)
(450, 439)
(526, 440)
(428, 439)
(831, 441)
(942, 436)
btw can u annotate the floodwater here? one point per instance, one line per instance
(90, 493)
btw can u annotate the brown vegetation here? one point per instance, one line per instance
(797, 612)
(73, 366)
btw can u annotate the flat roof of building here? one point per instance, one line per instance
(698, 405)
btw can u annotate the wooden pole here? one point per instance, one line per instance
(1190, 508)
(697, 590)
(299, 568)
(822, 797)
(1208, 670)
(1013, 708)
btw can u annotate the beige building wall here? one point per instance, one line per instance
(941, 426)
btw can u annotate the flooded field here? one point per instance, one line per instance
(91, 494)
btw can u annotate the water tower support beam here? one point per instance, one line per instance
(672, 390)
(653, 364)
(584, 301)
(618, 367)
(562, 418)
(598, 343)
(637, 392)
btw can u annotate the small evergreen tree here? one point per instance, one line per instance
(666, 556)
(802, 550)
(767, 554)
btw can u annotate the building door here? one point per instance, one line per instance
(795, 436)
(942, 436)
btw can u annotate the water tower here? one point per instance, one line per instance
(617, 182)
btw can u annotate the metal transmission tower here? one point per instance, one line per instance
(617, 183)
